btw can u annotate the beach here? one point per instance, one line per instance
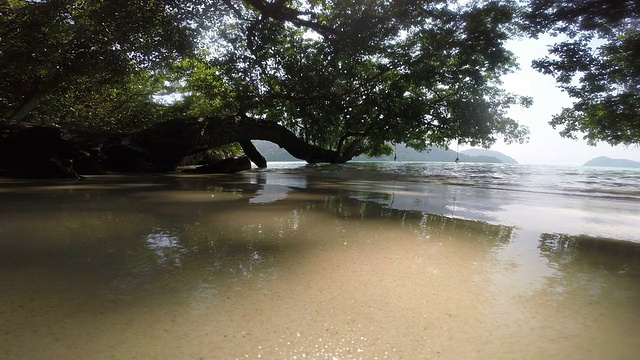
(363, 261)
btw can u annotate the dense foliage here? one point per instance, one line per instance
(349, 76)
(598, 65)
(90, 62)
(354, 76)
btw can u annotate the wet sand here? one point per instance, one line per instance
(282, 266)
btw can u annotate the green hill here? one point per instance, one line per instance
(435, 154)
(609, 162)
(273, 152)
(483, 152)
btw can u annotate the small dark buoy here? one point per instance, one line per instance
(395, 152)
(457, 160)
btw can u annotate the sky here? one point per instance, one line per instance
(545, 145)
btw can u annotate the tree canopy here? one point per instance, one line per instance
(598, 65)
(354, 76)
(59, 57)
(349, 77)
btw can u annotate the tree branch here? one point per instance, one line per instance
(278, 11)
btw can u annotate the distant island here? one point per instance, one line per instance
(483, 152)
(273, 152)
(609, 162)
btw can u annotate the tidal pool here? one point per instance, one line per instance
(308, 265)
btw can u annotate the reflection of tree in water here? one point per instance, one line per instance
(129, 244)
(462, 229)
(167, 247)
(594, 292)
(256, 246)
(143, 243)
(571, 253)
(349, 207)
(225, 251)
(593, 270)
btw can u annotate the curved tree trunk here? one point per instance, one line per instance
(253, 154)
(169, 142)
(29, 102)
(159, 148)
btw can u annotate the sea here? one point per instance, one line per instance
(598, 201)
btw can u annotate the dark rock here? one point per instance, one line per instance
(43, 169)
(89, 162)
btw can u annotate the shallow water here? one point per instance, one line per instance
(360, 261)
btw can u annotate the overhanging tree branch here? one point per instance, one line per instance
(277, 10)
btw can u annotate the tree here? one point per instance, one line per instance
(353, 76)
(60, 49)
(327, 80)
(599, 66)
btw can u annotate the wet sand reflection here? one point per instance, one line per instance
(194, 266)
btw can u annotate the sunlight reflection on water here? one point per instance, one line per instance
(167, 247)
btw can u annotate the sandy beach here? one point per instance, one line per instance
(293, 267)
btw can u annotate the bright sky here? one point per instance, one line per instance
(545, 145)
